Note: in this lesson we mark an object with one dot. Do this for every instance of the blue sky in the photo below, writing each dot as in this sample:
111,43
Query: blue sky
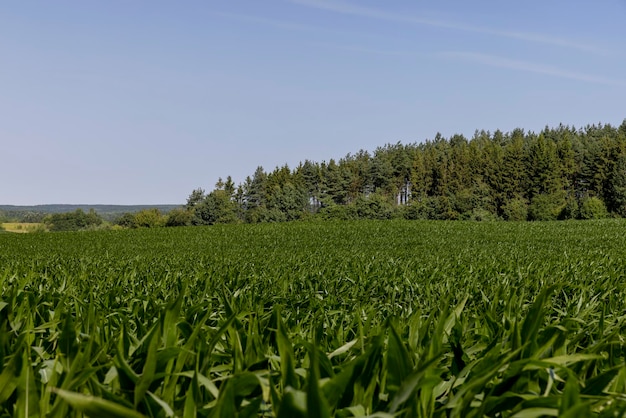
140,102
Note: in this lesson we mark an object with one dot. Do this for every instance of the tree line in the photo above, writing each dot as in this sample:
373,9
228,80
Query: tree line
558,173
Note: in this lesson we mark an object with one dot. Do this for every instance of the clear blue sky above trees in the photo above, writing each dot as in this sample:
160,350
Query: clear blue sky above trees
141,102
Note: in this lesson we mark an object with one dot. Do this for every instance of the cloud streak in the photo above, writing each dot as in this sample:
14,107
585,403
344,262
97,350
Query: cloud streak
271,22
358,49
529,67
354,10
285,25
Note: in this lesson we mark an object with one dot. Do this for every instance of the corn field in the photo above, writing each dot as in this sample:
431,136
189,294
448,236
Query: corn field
347,319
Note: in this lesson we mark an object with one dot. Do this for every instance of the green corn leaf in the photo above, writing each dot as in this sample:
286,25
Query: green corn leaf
454,316
373,360
317,406
285,350
122,365
340,385
293,404
225,406
534,320
236,349
466,393
275,396
149,368
187,350
342,389
190,409
568,359
244,384
167,410
252,409
221,331
9,377
537,413
171,317
579,410
343,349
399,362
597,384
326,366
27,394
412,383
96,407
83,376
203,381
68,345
571,395
435,342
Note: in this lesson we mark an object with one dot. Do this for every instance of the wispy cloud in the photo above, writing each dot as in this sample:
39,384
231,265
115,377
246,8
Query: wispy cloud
358,49
271,22
351,9
287,25
530,67
291,26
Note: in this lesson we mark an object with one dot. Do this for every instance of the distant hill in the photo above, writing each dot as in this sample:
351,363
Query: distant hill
108,212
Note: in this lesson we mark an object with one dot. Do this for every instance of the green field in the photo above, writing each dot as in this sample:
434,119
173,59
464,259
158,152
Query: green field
22,227
395,318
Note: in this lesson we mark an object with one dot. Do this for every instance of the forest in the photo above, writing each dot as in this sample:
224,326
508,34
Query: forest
558,173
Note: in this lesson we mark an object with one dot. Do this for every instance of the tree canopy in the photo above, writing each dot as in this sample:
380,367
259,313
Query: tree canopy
558,173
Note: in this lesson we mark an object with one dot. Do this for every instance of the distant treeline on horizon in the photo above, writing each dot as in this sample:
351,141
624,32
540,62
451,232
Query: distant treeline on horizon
36,213
558,173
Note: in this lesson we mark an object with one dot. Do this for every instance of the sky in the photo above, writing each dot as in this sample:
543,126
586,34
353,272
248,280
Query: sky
141,102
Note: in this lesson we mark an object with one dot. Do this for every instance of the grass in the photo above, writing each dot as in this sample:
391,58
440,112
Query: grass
415,319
